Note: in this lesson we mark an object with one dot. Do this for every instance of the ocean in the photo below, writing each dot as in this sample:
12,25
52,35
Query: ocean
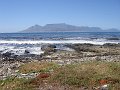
19,42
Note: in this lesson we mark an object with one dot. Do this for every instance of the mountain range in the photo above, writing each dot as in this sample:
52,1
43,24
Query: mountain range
62,27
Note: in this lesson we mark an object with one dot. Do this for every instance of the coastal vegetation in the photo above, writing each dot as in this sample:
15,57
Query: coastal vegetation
89,75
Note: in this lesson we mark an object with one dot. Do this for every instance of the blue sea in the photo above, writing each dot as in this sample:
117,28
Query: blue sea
19,42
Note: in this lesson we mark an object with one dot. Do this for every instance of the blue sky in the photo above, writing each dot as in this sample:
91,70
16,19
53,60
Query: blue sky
16,15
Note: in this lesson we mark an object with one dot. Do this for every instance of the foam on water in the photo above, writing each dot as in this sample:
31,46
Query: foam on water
17,43
20,50
100,42
13,46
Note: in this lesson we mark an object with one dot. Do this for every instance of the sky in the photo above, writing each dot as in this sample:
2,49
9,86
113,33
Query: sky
17,15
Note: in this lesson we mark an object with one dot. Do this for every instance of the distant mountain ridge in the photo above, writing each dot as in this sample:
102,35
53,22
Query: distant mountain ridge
62,27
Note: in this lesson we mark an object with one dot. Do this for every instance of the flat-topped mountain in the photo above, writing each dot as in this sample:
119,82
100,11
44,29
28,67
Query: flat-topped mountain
62,27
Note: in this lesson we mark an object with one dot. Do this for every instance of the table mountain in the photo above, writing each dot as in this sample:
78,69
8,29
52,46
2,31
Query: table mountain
62,27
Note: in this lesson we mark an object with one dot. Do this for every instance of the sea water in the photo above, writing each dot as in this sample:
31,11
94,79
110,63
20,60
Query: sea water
19,42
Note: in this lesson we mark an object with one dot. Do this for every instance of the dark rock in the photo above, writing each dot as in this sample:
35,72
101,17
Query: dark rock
27,52
44,47
113,39
48,48
7,54
81,47
88,44
111,44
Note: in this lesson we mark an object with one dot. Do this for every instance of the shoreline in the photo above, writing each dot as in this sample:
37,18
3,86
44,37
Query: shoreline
37,42
11,65
82,50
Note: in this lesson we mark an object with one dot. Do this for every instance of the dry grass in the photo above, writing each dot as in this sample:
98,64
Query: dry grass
74,76
89,74
37,67
13,83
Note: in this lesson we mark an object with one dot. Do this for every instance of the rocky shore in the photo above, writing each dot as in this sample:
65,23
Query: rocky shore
9,63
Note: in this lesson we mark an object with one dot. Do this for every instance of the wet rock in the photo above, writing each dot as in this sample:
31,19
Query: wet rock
82,47
7,54
111,44
48,48
44,47
26,52
113,38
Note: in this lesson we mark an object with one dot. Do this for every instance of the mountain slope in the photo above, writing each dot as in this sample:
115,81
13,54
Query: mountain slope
62,27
